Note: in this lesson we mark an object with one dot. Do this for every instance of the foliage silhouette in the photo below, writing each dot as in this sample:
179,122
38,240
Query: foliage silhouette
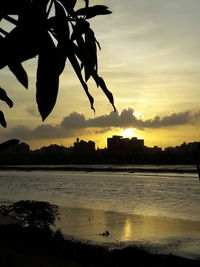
53,38
39,214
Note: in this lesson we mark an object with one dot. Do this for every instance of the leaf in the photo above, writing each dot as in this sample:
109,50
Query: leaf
19,45
12,7
39,5
61,23
69,5
5,98
47,77
80,28
98,44
90,53
2,119
51,23
100,82
24,41
86,3
73,60
61,57
90,12
20,73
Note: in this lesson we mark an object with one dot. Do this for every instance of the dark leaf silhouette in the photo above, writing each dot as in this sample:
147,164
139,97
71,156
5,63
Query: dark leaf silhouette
62,28
80,28
80,52
18,46
2,119
61,57
73,60
100,82
53,39
20,73
47,78
69,5
86,3
85,55
12,7
91,52
90,12
5,98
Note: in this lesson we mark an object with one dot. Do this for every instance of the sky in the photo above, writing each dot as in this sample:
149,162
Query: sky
150,60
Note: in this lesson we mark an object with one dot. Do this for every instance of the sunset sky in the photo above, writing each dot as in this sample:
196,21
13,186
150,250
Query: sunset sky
150,60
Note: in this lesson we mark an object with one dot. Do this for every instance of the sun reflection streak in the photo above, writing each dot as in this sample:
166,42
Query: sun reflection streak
127,231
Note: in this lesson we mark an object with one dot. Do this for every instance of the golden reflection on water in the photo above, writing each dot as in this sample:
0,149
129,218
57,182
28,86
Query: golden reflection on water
88,224
127,230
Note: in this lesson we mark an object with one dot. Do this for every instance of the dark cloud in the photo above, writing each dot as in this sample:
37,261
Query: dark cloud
127,119
76,124
41,132
74,121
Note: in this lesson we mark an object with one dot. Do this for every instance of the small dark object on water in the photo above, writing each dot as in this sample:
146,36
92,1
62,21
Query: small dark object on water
106,233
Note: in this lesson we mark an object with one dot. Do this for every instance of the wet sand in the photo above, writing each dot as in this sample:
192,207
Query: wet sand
156,234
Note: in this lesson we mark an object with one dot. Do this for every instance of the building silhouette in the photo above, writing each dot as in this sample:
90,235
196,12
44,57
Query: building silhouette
117,144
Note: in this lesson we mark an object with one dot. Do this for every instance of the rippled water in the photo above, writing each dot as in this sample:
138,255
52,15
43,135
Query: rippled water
173,195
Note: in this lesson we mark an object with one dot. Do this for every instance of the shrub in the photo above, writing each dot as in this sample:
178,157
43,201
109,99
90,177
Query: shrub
33,213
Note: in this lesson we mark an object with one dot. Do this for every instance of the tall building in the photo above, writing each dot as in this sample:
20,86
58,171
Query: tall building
136,145
118,144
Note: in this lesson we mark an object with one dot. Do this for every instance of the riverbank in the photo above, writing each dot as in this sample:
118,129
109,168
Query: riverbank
155,234
32,247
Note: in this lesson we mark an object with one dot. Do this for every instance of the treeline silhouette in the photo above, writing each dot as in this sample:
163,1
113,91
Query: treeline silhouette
99,157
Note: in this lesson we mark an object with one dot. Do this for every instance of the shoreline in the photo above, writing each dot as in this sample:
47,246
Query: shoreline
23,246
104,168
155,234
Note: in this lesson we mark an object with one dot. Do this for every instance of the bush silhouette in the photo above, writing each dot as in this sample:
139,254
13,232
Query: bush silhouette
39,214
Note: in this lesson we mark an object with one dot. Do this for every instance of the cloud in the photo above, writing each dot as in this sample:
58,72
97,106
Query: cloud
127,119
76,124
74,121
47,131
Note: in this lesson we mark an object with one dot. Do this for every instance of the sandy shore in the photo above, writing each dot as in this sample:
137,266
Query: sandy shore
157,234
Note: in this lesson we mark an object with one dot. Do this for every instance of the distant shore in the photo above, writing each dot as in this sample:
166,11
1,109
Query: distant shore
104,168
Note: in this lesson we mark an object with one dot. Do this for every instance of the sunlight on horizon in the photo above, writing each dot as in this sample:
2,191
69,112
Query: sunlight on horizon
128,133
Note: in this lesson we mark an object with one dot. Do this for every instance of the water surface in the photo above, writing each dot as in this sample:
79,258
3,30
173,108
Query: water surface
159,209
